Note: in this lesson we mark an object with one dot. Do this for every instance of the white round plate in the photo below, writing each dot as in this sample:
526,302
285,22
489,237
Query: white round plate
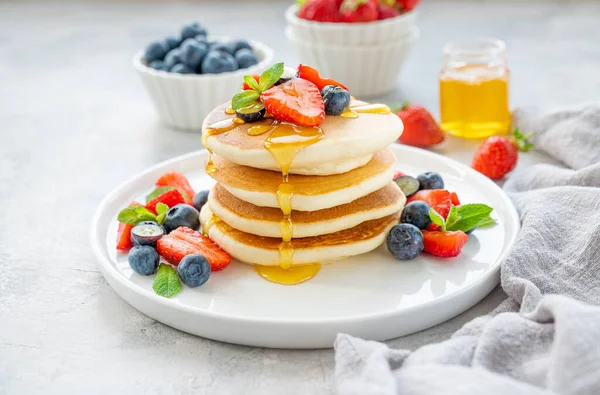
372,296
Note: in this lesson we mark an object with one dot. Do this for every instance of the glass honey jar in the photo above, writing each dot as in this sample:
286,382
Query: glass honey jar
474,89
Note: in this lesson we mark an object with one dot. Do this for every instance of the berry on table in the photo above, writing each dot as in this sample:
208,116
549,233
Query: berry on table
430,180
173,57
245,58
252,113
143,260
146,233
417,214
405,242
409,185
498,155
200,199
335,99
192,30
156,50
182,215
420,129
194,270
297,101
444,244
193,52
181,68
216,62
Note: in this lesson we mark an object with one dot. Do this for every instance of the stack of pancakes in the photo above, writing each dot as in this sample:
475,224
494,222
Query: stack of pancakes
290,196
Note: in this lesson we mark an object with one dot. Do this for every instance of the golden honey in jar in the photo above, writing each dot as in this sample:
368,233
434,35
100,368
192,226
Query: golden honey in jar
474,89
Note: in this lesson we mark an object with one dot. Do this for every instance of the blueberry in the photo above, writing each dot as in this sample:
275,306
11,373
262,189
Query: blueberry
252,113
216,62
241,44
146,233
143,260
156,50
200,199
223,47
181,215
181,68
173,57
193,270
192,30
192,53
430,180
158,65
172,42
409,185
201,38
245,58
405,242
336,99
416,213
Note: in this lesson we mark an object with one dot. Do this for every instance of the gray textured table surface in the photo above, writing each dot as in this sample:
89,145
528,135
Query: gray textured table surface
75,122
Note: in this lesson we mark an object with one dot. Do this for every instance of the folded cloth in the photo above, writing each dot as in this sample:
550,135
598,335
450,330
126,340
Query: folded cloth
545,338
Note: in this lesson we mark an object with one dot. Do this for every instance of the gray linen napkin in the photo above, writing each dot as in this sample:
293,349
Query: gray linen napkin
545,338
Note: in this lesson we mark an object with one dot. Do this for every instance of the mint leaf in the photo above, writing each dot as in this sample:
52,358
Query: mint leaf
161,208
437,219
452,216
248,79
270,77
470,216
157,192
166,283
244,99
489,221
133,215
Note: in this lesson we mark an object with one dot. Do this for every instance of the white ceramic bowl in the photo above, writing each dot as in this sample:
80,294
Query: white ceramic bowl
377,32
367,70
184,100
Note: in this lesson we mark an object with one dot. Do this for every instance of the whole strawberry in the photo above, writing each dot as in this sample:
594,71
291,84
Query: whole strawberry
321,10
420,129
385,11
407,5
498,155
353,11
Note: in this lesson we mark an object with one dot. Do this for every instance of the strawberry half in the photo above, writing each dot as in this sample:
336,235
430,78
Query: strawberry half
185,241
124,233
444,244
170,198
308,73
297,101
438,199
177,180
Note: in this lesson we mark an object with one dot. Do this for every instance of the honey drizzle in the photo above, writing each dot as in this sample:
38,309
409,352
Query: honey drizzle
294,275
211,221
353,111
214,129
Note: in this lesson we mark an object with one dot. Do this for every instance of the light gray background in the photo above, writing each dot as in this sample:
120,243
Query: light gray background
75,123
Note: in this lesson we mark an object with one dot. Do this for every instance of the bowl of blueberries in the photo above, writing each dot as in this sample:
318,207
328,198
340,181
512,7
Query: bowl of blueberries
188,75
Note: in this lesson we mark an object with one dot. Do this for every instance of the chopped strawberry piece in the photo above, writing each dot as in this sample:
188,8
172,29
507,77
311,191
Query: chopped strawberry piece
398,174
124,233
177,180
308,73
455,200
297,101
438,199
246,87
185,241
444,244
170,198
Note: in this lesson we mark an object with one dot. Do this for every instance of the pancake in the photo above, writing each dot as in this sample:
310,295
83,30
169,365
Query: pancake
339,144
310,193
266,221
260,250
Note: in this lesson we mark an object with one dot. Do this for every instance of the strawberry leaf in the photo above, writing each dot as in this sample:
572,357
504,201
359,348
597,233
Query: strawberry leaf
437,219
269,77
157,192
244,99
133,215
470,216
248,79
167,282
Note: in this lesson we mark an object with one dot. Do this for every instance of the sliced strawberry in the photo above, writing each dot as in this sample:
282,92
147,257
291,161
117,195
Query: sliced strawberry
185,241
444,244
246,87
308,73
177,180
455,200
438,199
297,101
124,233
170,198
398,174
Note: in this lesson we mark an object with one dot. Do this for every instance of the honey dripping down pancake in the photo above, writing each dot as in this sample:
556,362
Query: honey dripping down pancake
284,141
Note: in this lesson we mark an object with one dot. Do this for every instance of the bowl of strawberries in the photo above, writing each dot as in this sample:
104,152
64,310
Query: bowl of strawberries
362,42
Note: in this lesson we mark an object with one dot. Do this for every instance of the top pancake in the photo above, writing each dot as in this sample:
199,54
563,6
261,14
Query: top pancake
347,143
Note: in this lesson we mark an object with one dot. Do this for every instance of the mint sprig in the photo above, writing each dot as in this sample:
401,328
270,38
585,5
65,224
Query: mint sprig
157,192
166,283
161,211
266,81
133,215
464,217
